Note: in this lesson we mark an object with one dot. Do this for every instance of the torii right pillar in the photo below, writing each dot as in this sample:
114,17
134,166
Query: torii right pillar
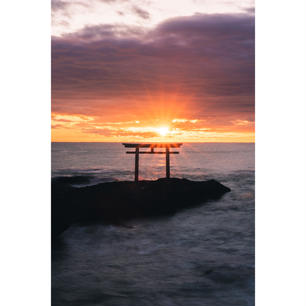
167,162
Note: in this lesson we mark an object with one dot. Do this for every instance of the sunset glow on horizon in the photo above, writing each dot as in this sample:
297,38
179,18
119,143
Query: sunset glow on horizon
134,71
80,128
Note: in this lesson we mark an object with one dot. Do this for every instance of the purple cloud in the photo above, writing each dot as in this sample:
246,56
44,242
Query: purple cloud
207,57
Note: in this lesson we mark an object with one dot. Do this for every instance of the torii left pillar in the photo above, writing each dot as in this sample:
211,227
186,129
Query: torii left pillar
136,164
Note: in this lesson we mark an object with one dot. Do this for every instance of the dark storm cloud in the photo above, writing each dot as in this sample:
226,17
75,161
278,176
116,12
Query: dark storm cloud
207,57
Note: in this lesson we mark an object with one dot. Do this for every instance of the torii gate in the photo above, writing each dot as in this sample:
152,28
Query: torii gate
152,146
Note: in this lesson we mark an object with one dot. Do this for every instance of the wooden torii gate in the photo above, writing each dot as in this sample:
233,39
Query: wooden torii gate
152,146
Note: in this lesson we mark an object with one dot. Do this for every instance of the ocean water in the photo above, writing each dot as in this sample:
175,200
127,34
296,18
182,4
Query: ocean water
200,256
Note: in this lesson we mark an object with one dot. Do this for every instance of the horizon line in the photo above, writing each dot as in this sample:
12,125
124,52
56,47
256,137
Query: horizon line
249,142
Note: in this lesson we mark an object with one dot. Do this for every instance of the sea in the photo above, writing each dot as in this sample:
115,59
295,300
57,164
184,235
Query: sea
202,256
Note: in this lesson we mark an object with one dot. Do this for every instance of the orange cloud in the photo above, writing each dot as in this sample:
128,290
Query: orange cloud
78,127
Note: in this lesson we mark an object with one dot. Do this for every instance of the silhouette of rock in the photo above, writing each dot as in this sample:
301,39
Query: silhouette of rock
115,202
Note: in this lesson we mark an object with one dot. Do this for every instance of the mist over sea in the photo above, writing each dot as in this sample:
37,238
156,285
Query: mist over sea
200,256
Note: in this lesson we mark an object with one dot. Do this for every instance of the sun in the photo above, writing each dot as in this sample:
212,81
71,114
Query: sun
163,130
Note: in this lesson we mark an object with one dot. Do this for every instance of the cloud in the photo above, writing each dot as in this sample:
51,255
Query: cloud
100,34
58,5
242,122
140,12
121,133
250,10
182,120
191,129
206,59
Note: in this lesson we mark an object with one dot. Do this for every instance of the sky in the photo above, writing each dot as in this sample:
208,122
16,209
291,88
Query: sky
153,70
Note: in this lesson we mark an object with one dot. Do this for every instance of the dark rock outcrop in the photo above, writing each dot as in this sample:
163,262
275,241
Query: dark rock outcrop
116,202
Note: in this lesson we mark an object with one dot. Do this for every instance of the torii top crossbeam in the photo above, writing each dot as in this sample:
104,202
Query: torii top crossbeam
152,146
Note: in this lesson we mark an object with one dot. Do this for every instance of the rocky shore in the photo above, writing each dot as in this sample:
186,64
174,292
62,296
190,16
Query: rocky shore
116,202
